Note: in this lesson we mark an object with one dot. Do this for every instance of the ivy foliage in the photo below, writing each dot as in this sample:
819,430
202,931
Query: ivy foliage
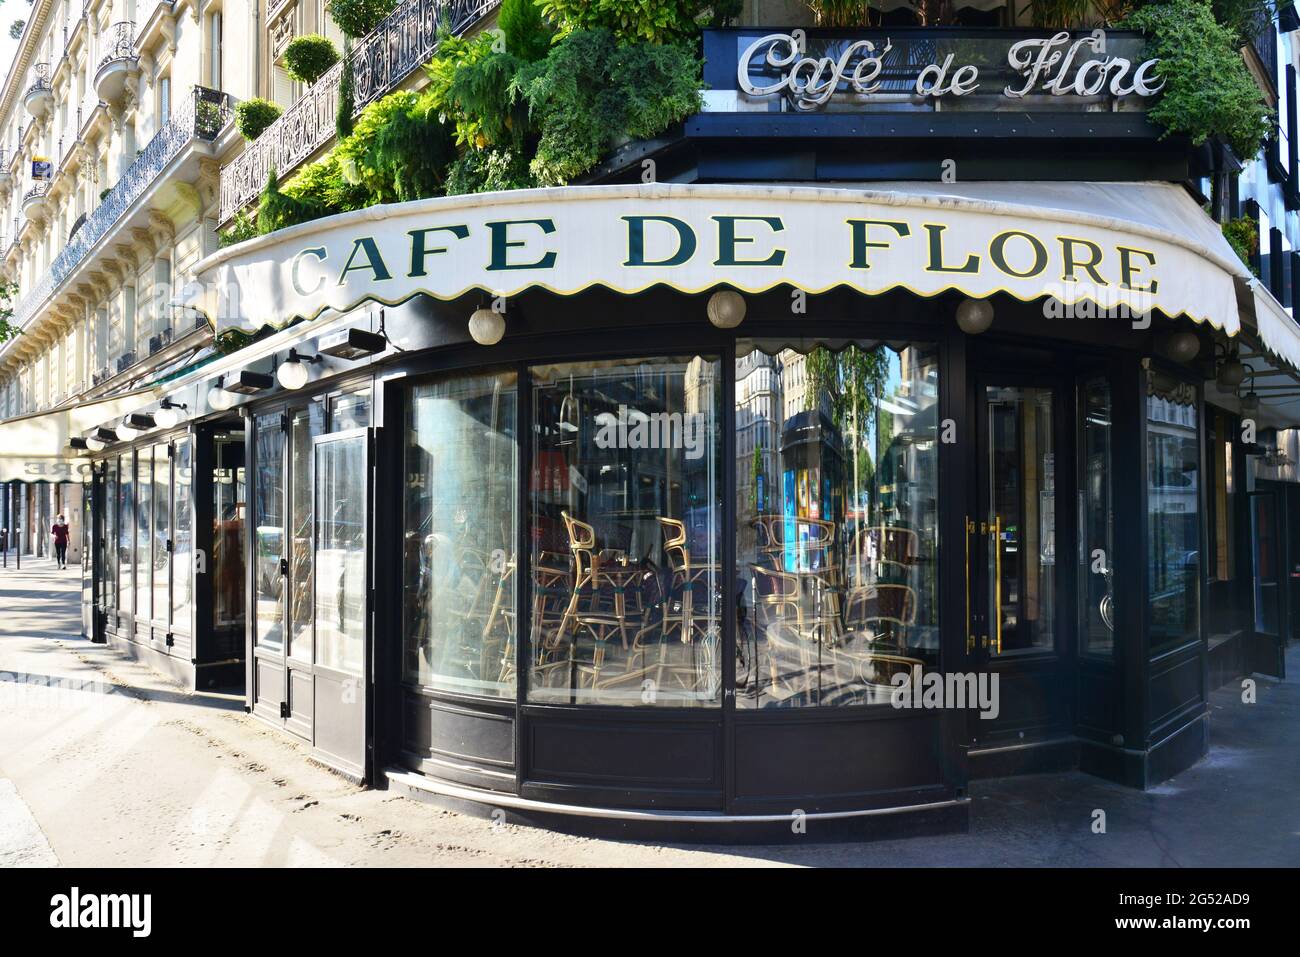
654,21
1208,89
8,296
1242,235
308,57
253,116
528,34
591,92
356,18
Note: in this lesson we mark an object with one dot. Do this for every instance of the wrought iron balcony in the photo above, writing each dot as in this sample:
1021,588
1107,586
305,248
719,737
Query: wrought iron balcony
202,117
39,96
34,199
403,42
118,60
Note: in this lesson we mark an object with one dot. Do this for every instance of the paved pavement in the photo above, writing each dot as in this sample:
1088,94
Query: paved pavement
124,768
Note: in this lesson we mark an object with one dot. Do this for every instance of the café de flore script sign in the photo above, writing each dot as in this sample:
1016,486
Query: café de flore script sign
1061,65
694,238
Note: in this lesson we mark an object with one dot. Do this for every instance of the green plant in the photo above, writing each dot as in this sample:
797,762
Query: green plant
8,295
528,34
399,150
1208,89
228,341
252,117
1058,13
16,29
840,13
657,21
278,209
488,170
347,93
356,18
242,227
307,58
103,193
1242,235
590,92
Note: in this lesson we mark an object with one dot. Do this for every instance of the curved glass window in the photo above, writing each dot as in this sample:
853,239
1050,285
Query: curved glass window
1173,509
183,536
458,552
837,520
625,512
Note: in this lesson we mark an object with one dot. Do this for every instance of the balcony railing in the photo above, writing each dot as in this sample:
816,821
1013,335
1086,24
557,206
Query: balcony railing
36,191
121,42
203,117
40,79
403,42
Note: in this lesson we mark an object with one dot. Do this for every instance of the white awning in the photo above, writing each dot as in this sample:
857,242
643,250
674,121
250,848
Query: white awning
34,448
1127,247
1277,330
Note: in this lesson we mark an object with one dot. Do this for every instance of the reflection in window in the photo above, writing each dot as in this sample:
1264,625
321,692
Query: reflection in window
183,536
144,539
109,544
458,551
350,411
1174,559
340,565
228,513
625,512
837,521
161,532
304,425
1096,522
268,531
126,533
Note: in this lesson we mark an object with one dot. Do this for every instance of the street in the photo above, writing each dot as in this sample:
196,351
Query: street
117,767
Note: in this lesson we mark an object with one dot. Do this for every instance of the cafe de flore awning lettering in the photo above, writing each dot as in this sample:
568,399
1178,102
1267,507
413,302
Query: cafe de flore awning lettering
696,238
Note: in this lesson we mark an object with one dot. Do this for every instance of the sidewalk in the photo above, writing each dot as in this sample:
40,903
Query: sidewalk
131,770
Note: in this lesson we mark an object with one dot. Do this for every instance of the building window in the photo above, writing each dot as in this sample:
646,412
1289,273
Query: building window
1096,521
126,533
1173,475
625,513
458,556
837,526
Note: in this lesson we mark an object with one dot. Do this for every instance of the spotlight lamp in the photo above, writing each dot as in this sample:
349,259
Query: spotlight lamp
78,443
141,421
105,435
247,382
974,316
726,309
352,344
293,372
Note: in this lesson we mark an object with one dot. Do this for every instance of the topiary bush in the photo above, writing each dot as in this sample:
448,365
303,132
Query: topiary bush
252,117
1208,89
307,58
356,18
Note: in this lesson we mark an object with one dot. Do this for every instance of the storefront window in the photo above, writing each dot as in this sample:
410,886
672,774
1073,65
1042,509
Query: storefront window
143,537
305,425
340,572
109,546
229,500
183,537
161,532
268,532
837,520
461,479
1096,522
126,533
1174,558
350,411
625,522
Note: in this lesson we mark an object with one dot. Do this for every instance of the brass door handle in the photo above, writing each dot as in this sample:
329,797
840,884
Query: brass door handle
970,635
997,588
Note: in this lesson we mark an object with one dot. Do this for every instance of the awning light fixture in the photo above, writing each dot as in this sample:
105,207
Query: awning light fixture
726,309
247,382
141,421
352,344
94,443
77,442
487,326
974,316
106,435
218,398
1180,346
168,415
293,372
1231,372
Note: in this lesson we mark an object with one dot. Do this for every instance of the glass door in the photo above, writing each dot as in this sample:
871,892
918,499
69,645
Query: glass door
1013,541
1267,559
341,591
270,568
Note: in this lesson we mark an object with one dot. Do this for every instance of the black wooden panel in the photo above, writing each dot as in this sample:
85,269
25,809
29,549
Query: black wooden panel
1175,688
457,733
1099,699
600,752
803,760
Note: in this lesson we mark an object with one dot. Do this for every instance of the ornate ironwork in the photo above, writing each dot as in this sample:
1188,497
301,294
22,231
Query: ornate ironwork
121,42
202,116
40,79
37,191
403,42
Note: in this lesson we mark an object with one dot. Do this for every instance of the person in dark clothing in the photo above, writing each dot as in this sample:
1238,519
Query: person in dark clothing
59,531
